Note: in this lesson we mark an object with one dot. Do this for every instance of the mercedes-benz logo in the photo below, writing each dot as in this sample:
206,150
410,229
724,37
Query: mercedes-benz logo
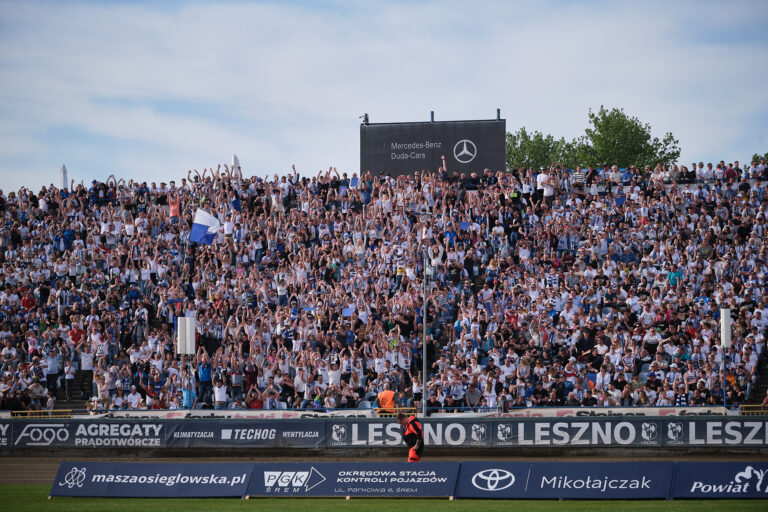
464,151
493,479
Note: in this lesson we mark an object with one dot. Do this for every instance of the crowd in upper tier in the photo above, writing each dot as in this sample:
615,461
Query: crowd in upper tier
548,287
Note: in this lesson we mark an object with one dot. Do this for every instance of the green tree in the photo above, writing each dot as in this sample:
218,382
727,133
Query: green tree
536,149
757,156
615,138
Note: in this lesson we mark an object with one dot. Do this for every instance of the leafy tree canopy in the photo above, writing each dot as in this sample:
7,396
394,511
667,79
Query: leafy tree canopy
612,137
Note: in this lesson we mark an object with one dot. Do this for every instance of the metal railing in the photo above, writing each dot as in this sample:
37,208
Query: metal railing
394,411
753,410
55,413
375,411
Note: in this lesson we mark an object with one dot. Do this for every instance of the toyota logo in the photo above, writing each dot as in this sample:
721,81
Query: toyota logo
493,479
464,151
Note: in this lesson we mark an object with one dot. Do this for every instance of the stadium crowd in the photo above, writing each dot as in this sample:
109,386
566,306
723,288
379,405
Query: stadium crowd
544,287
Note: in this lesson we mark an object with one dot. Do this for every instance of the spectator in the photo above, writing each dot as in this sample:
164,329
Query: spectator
134,398
313,283
50,403
220,395
69,379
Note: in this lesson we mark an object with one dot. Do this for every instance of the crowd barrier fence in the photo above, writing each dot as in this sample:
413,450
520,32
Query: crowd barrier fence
475,412
355,433
460,480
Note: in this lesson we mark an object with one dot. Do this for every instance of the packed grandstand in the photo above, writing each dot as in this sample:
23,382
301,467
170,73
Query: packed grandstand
553,287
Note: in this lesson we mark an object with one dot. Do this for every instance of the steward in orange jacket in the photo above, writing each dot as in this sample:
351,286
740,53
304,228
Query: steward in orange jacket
413,435
386,400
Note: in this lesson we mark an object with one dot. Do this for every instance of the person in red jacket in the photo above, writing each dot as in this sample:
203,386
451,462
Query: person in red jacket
413,435
28,302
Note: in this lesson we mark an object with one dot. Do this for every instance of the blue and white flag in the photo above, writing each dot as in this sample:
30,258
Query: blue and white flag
205,227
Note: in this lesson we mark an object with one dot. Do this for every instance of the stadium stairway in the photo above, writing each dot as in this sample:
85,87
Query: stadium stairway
74,405
759,393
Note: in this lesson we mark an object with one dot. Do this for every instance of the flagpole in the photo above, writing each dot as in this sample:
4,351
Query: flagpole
184,253
184,259
424,332
190,358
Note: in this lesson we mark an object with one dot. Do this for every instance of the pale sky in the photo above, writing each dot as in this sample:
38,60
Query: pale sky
147,92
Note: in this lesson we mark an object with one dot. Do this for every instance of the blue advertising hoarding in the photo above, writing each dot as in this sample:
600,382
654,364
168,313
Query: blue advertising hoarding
492,480
729,480
466,480
728,431
67,433
364,479
625,431
6,434
342,433
247,434
331,433
156,480
564,480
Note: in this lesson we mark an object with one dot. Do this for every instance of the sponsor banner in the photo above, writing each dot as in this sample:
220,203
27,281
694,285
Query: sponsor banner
398,148
469,480
344,434
237,414
271,434
564,480
88,434
724,431
531,412
491,480
6,437
155,480
570,432
464,415
649,432
716,432
729,480
589,412
610,431
384,479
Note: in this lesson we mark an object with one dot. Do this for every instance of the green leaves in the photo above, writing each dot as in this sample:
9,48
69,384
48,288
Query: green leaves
615,138
535,149
612,137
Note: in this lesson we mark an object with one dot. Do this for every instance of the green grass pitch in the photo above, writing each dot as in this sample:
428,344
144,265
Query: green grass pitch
21,498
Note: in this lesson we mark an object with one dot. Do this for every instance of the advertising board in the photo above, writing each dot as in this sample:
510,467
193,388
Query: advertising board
400,148
157,480
722,480
382,479
564,480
